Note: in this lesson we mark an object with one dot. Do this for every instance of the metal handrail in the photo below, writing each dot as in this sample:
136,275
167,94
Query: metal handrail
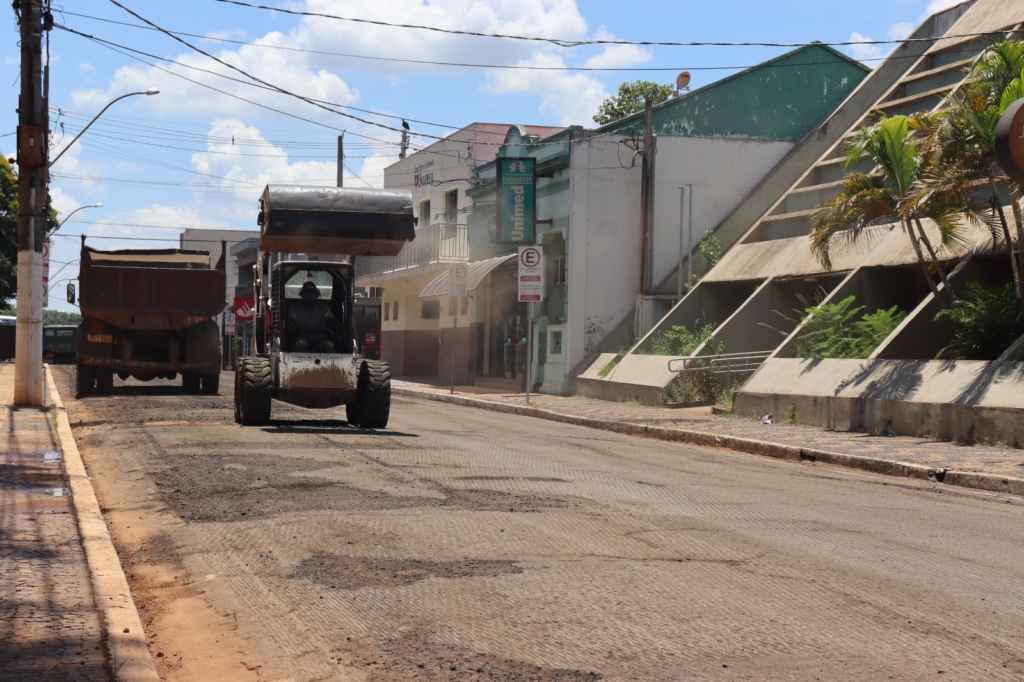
723,363
435,243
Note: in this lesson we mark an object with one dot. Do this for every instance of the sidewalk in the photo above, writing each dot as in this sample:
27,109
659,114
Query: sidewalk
976,466
50,628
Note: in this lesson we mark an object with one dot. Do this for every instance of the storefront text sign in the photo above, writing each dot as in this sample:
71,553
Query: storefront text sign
516,201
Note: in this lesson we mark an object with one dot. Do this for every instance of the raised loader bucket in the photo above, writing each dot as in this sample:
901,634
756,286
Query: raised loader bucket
343,220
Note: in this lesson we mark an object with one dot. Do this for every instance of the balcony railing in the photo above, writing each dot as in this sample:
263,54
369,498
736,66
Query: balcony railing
437,243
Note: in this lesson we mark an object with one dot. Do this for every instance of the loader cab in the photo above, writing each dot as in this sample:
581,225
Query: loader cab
333,280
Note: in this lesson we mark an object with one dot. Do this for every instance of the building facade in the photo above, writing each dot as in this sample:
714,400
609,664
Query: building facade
717,144
416,334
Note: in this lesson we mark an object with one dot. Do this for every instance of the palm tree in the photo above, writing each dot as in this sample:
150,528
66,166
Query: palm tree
885,195
960,141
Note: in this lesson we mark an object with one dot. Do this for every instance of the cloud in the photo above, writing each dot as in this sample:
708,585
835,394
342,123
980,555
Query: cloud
574,97
900,31
86,67
938,6
289,70
865,52
316,75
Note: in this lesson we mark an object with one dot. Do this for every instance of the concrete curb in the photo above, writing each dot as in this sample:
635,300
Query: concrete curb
126,639
963,479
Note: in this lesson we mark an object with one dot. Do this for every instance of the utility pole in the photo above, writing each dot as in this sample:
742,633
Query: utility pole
341,160
33,122
646,209
405,144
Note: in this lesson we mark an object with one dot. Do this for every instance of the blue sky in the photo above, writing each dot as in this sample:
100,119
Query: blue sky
195,157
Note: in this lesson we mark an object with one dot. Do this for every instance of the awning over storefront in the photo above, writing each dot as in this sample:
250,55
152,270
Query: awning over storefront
477,271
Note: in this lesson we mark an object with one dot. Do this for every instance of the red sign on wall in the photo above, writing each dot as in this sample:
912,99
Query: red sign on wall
243,307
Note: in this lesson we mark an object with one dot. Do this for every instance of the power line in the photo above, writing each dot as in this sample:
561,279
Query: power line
521,67
266,85
565,42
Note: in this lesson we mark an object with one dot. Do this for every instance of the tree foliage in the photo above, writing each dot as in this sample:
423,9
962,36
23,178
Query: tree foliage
9,230
985,323
840,330
630,99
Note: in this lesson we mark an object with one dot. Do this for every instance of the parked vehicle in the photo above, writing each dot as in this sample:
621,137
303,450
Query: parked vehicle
368,326
328,369
150,314
8,337
59,343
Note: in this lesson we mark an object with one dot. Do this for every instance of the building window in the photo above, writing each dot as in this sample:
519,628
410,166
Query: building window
560,270
451,206
387,311
464,306
556,343
424,213
395,315
430,310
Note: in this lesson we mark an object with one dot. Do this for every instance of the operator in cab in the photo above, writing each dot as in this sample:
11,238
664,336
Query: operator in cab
309,322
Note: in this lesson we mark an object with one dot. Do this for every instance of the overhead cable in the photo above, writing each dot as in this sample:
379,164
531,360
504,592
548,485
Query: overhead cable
566,42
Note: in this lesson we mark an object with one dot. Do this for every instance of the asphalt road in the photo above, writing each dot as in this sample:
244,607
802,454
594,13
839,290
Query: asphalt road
462,544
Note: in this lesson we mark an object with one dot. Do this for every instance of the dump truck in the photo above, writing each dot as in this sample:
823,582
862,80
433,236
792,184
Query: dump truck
309,240
148,314
59,344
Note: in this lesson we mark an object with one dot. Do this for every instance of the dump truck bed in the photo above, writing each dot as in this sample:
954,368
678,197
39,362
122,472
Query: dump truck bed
150,289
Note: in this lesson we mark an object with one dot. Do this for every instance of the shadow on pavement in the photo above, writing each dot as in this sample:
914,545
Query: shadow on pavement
335,426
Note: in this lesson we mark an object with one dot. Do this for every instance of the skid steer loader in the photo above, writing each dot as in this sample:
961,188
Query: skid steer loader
298,226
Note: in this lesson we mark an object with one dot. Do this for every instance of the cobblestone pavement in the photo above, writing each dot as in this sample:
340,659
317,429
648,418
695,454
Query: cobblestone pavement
463,545
990,459
49,627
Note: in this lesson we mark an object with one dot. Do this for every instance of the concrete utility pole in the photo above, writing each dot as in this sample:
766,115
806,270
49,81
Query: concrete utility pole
33,122
646,208
405,145
341,160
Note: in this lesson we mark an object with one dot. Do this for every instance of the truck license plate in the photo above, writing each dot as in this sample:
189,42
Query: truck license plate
101,338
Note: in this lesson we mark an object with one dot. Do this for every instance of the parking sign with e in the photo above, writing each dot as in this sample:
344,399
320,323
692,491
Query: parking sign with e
531,274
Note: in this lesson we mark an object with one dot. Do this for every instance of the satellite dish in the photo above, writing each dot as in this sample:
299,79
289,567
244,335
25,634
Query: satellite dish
683,80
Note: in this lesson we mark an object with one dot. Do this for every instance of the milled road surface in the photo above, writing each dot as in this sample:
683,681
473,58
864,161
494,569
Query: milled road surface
461,544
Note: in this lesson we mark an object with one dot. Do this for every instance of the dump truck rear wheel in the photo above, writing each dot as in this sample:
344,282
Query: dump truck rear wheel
190,382
373,396
257,383
85,379
211,383
104,381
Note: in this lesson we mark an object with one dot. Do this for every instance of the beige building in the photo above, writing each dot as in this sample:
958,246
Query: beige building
416,332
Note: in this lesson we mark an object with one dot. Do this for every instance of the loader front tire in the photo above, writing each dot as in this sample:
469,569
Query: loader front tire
372,407
256,384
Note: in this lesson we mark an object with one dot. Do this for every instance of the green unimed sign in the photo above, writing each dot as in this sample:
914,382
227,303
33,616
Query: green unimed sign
516,201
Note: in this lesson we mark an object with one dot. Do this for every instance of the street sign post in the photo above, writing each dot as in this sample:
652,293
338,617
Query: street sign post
458,276
531,290
516,203
229,324
531,274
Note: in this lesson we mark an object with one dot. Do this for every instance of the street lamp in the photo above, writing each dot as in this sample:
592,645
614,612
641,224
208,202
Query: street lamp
100,205
151,91
28,360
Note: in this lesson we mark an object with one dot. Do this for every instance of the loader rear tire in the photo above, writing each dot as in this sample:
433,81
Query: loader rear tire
372,407
257,384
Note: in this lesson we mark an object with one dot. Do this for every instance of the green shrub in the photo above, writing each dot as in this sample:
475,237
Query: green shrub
985,322
833,330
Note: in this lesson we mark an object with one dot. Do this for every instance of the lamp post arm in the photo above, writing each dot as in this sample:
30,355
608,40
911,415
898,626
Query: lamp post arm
82,131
